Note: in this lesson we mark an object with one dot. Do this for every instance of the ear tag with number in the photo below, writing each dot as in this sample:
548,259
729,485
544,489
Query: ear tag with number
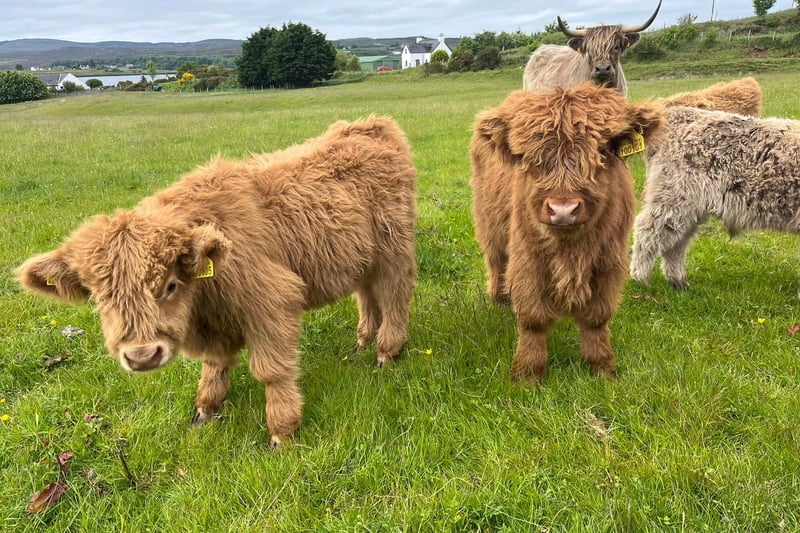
50,283
209,270
633,144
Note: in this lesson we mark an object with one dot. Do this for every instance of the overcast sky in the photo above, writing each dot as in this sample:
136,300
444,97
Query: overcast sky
195,20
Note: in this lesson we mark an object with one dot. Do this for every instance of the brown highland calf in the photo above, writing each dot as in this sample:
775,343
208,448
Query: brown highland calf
553,208
284,232
741,96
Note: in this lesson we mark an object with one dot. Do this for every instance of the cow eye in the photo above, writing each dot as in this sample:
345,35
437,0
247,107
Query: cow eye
169,289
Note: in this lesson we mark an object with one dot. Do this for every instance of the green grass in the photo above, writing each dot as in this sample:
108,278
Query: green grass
699,432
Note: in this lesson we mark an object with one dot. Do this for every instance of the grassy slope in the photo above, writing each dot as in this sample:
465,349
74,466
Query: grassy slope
698,433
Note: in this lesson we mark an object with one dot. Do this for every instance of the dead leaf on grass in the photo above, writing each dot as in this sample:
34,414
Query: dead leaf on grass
45,498
644,297
792,330
50,362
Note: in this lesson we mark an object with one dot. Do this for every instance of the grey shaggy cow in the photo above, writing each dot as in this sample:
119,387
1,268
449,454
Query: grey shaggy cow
741,169
592,54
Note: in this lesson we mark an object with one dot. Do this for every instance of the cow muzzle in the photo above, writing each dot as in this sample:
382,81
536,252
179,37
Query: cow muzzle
562,211
603,74
144,357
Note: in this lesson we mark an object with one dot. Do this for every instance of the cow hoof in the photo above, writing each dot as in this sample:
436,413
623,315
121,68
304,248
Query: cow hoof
275,443
201,418
679,284
609,373
381,363
529,380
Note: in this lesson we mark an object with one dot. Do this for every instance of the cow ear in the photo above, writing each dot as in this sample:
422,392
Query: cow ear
493,129
204,243
647,118
49,274
631,39
576,43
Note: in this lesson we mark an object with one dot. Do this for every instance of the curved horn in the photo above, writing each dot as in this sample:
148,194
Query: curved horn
568,32
642,27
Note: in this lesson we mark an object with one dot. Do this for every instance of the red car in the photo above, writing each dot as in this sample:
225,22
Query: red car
383,68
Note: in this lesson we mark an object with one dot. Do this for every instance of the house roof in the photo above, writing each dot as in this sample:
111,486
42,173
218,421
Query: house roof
427,46
371,59
50,79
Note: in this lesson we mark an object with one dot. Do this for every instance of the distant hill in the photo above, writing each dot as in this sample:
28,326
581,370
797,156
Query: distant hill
223,52
51,52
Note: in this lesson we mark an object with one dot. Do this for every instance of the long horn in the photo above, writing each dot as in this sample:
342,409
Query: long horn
642,27
568,32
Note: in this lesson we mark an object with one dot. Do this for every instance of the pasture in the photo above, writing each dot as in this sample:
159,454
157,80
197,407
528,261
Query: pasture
698,433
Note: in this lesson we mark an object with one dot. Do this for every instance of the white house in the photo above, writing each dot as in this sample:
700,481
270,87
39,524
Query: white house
57,80
419,53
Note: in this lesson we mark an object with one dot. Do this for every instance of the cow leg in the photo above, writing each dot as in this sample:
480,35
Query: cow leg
673,264
646,246
369,317
393,287
596,349
530,357
278,371
212,389
496,265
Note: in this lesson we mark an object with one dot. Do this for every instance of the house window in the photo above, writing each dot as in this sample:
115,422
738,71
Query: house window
417,62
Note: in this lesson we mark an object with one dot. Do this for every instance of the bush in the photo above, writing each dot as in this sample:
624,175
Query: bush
712,36
461,62
433,67
648,49
487,59
18,86
94,83
676,37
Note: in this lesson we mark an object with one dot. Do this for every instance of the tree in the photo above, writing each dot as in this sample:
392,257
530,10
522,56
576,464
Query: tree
152,69
19,66
187,66
94,83
440,56
293,56
762,6
18,86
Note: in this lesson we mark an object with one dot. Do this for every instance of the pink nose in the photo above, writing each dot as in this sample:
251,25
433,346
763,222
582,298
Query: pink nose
141,358
563,213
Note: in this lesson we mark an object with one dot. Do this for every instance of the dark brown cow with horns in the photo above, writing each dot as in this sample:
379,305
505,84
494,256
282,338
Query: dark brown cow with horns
591,54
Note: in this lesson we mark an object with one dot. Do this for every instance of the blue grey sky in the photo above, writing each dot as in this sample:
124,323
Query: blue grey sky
194,20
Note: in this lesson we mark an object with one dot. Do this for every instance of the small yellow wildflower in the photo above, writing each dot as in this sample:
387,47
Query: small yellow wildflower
762,320
5,418
44,317
428,351
2,400
53,322
345,358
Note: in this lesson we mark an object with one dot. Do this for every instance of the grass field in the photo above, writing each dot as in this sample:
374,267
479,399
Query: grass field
698,433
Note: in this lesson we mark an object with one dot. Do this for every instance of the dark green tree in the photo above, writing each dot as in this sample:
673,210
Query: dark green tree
94,83
18,86
762,6
487,59
293,56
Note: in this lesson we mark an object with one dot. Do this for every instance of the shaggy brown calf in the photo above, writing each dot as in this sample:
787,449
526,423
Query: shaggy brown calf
553,208
233,253
738,96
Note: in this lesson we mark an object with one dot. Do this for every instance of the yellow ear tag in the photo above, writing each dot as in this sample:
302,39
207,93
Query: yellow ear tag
209,271
633,144
50,283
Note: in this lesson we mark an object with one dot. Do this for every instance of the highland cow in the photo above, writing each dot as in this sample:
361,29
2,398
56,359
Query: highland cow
553,207
591,54
743,170
741,96
234,252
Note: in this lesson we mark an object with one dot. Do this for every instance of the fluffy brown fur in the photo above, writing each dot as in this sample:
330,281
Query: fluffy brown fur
286,231
743,170
553,207
741,96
